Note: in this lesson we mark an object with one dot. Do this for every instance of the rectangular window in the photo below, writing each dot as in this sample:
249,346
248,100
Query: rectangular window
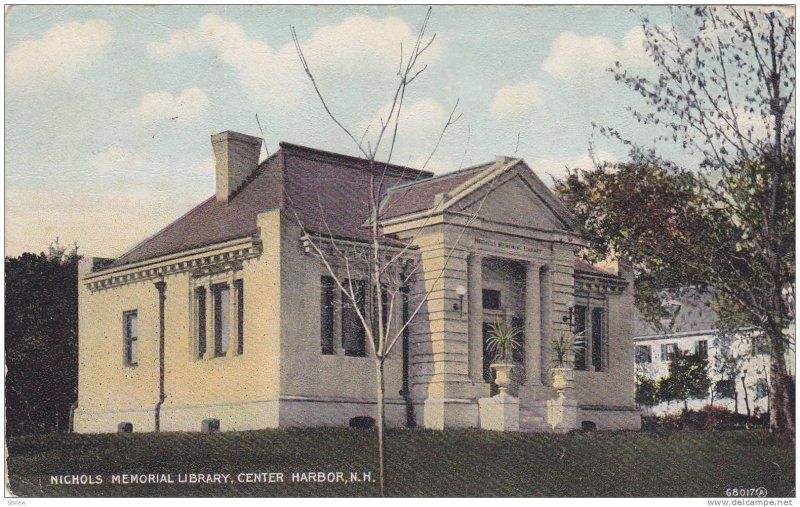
701,348
597,338
240,316
221,319
759,345
491,299
726,388
580,328
131,337
643,354
326,307
762,388
353,334
668,351
201,322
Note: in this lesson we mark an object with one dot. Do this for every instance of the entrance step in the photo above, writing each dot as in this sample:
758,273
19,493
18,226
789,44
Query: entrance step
530,422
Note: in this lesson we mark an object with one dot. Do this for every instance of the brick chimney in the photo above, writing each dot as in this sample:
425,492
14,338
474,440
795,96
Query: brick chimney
236,157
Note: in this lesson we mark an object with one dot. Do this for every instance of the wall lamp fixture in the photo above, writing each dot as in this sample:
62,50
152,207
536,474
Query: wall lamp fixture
569,319
461,291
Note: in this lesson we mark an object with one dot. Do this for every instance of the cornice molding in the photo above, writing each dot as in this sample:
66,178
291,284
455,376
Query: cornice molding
223,257
599,284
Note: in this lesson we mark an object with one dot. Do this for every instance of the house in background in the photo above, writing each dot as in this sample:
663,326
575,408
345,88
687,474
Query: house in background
226,320
690,324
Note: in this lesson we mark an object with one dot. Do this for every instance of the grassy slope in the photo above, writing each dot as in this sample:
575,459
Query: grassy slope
420,463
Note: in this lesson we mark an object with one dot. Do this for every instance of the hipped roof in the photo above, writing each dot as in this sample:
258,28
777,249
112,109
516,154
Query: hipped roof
329,192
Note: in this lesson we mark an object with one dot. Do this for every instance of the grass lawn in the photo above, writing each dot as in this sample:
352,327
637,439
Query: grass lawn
419,463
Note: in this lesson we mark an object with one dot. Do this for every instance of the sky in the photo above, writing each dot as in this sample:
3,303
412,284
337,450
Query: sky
109,109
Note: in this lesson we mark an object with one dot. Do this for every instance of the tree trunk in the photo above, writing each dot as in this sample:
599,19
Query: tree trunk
381,455
781,394
746,399
781,389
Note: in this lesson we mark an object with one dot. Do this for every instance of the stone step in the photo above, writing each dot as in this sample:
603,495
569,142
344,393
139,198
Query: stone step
530,422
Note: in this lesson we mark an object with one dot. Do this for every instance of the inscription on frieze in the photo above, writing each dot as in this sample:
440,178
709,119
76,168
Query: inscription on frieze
505,245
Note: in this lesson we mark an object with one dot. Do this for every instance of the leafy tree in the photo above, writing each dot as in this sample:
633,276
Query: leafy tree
41,340
646,391
687,378
724,93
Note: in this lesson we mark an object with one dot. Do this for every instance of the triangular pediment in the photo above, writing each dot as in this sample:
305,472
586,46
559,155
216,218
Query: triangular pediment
514,203
518,198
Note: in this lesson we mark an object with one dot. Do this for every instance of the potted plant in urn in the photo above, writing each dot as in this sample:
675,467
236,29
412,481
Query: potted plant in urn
565,344
503,340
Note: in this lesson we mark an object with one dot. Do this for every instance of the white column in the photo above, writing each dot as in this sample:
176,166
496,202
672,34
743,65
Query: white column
546,321
533,326
475,305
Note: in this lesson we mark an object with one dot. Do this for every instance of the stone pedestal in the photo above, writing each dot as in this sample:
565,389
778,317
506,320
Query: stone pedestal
499,413
562,414
440,414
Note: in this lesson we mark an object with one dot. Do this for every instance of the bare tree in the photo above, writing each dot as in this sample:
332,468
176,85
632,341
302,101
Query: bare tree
390,266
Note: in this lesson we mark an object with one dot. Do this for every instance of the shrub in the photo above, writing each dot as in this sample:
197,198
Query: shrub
708,418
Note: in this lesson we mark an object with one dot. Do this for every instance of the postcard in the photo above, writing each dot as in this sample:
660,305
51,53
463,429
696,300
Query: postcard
539,251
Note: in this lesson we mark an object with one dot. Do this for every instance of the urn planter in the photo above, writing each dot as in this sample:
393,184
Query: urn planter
502,376
563,379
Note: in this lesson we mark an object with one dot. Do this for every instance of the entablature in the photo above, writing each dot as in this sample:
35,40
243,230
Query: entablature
199,262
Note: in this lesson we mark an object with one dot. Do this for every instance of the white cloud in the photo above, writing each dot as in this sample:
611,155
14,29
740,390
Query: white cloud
355,48
549,168
188,105
572,55
59,55
517,100
424,115
181,41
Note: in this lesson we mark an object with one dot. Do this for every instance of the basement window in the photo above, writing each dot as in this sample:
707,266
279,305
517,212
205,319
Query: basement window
210,426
